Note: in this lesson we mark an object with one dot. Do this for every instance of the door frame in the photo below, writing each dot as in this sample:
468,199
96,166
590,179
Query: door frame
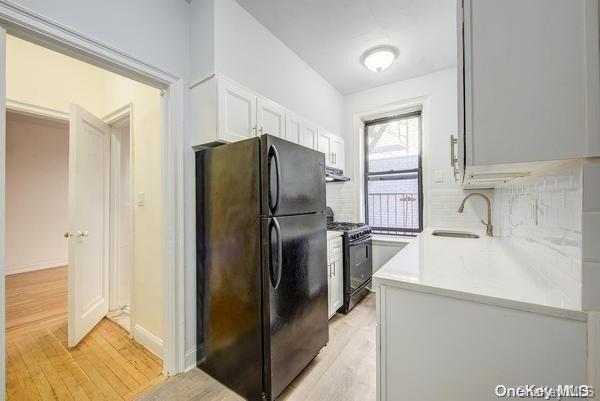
114,120
21,22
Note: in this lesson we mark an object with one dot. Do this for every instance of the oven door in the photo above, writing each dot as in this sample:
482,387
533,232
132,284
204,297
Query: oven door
360,265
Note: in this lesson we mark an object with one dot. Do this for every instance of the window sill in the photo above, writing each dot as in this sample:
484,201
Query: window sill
395,240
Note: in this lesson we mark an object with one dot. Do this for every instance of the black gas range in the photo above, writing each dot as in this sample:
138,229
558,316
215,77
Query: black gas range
358,259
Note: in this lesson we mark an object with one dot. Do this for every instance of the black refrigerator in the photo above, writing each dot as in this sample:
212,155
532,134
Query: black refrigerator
261,263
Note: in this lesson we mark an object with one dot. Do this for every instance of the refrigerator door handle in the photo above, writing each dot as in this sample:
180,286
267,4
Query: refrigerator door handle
276,278
274,204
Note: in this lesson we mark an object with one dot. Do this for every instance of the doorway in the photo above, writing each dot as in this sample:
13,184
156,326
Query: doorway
44,31
102,165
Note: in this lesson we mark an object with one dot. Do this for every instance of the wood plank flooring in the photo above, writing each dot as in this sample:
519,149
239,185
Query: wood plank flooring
343,371
106,365
35,296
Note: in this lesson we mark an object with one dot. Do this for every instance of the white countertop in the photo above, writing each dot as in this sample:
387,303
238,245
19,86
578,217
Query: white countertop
332,234
481,270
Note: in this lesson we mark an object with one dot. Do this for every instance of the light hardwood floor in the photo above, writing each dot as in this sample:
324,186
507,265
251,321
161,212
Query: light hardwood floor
343,371
106,365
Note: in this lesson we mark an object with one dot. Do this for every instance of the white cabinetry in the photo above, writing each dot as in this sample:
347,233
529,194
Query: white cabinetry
529,93
293,130
300,131
338,152
223,111
425,338
308,136
335,274
270,118
333,147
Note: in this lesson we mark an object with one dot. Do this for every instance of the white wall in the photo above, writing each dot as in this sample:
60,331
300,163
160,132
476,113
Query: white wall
437,93
37,168
155,31
247,52
147,178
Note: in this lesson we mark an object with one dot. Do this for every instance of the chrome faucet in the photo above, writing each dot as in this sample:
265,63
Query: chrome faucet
489,228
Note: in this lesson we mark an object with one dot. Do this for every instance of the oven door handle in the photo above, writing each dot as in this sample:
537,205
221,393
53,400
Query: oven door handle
360,242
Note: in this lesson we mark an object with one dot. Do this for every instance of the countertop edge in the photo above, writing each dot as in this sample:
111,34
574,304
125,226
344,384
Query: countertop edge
580,316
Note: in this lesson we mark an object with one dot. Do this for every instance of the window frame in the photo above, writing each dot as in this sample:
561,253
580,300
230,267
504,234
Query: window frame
418,171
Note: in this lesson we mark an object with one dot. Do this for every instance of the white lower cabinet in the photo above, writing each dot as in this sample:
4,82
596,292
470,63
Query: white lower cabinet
335,274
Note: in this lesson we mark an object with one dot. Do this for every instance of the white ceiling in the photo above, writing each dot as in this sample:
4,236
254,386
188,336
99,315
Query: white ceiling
331,36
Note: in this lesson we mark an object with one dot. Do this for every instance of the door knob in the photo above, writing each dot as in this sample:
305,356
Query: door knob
67,234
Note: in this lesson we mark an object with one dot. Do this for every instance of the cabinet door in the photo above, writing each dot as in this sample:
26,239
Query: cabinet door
324,145
270,118
294,127
330,287
337,275
338,152
237,112
308,136
531,91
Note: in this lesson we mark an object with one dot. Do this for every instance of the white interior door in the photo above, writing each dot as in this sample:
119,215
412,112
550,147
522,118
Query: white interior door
89,181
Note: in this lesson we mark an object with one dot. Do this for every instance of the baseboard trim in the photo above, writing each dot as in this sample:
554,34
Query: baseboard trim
190,359
33,266
148,340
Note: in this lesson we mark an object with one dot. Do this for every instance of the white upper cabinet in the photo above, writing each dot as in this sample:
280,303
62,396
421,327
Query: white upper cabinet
223,111
338,152
308,136
325,145
293,131
237,112
270,118
333,147
530,76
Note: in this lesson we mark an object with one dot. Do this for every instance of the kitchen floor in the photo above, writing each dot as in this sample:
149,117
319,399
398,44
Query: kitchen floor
343,371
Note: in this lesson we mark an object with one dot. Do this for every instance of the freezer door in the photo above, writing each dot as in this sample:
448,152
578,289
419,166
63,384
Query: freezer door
229,266
293,178
295,288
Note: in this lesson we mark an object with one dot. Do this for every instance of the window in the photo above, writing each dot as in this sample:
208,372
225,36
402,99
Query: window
393,176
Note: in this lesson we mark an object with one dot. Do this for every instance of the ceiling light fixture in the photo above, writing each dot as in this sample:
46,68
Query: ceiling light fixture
379,58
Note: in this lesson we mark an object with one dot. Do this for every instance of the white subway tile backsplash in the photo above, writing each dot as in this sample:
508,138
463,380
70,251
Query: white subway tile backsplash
541,219
441,207
341,197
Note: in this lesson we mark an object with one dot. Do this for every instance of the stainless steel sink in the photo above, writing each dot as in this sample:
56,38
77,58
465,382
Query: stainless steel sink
454,234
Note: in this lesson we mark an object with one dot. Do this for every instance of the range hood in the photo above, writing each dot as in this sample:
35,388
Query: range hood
335,175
